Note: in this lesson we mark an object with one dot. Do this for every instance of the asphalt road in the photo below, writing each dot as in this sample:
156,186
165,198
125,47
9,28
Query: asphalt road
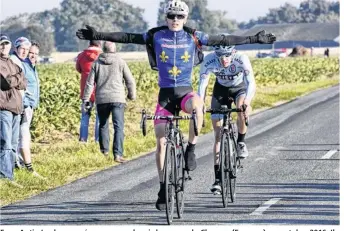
291,177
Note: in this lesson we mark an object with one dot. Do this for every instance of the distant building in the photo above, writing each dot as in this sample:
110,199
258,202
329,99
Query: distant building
290,35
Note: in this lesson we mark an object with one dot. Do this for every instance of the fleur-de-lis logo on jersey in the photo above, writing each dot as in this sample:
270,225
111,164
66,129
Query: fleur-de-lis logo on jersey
163,57
174,71
186,57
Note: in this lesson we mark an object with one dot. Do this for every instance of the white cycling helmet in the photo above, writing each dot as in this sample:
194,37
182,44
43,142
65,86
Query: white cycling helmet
223,50
176,7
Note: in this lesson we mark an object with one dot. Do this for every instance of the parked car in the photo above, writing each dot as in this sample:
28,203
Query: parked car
46,60
279,53
263,55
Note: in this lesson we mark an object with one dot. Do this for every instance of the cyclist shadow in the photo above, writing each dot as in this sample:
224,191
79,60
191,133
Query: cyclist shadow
318,199
84,212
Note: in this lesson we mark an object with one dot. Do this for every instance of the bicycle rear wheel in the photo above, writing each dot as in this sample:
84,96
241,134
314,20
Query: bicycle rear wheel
169,175
232,167
180,184
224,168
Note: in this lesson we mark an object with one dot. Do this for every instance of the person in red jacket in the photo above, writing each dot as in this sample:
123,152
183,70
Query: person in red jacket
84,63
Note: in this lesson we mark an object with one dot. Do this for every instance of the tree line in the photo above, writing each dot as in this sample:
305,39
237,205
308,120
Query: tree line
55,29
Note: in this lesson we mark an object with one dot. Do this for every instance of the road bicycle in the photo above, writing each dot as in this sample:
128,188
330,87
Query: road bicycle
228,160
175,174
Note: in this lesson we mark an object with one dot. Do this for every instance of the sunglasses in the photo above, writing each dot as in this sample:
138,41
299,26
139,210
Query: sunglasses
173,16
224,55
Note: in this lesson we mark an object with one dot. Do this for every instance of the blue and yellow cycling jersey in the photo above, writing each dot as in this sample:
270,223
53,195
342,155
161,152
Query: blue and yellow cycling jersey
175,51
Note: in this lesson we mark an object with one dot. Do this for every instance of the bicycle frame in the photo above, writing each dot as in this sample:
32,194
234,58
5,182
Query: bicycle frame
228,160
175,156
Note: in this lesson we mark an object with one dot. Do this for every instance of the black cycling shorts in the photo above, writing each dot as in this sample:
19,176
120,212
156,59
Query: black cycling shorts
221,94
171,98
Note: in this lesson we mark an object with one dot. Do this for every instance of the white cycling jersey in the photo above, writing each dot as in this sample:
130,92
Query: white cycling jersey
240,70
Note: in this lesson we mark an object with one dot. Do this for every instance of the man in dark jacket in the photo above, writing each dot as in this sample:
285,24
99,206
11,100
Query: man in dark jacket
11,106
83,65
108,73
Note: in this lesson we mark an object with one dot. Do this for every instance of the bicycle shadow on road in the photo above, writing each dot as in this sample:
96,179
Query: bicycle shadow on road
299,203
84,212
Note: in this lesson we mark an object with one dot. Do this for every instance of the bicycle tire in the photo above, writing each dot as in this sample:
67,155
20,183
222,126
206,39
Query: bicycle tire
180,180
169,178
224,168
233,153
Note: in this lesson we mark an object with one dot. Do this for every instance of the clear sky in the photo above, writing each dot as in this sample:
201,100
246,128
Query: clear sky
242,10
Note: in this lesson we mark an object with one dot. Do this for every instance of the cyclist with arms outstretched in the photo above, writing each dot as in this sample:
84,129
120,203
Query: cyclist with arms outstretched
173,50
234,79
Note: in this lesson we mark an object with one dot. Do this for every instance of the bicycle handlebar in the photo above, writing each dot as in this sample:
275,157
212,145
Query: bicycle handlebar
154,117
168,118
225,110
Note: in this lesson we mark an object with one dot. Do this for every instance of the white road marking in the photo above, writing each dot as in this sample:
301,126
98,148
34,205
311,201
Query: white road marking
260,158
329,154
280,148
265,206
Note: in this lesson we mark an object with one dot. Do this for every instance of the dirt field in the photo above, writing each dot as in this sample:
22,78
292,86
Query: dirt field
62,57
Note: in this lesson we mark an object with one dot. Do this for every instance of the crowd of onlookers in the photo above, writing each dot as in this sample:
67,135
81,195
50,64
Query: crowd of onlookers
19,97
104,76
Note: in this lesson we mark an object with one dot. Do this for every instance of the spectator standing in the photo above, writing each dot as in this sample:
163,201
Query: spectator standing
312,51
327,53
83,66
11,104
31,101
108,73
21,50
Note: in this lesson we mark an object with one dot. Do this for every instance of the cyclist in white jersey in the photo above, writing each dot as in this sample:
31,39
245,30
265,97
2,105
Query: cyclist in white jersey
234,79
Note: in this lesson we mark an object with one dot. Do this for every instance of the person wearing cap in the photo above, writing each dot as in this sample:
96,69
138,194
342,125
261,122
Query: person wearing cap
22,47
18,56
11,104
21,50
173,50
83,65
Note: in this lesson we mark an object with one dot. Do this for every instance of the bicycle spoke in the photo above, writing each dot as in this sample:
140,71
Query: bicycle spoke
180,177
233,167
224,168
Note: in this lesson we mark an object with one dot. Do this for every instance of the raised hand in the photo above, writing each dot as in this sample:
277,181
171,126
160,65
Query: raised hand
264,38
87,34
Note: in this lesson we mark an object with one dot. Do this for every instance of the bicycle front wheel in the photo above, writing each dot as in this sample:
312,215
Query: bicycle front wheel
224,168
232,167
180,184
169,177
